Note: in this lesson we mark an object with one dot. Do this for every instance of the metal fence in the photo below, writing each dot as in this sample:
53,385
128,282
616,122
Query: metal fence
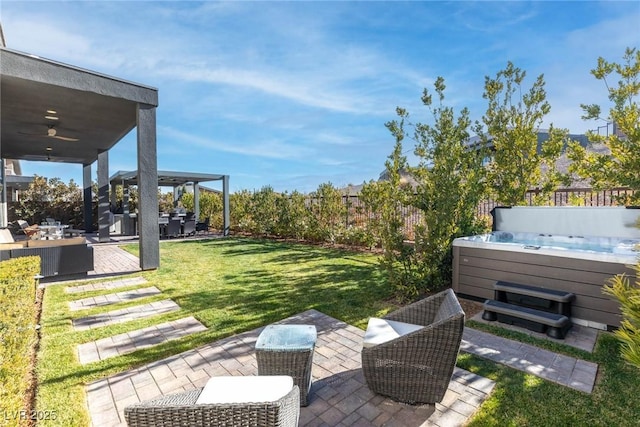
357,213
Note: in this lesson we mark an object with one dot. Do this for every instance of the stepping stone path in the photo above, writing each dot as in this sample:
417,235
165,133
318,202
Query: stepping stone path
125,315
568,371
129,342
102,300
102,286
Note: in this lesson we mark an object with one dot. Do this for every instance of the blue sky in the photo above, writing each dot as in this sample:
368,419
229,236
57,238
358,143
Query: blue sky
295,94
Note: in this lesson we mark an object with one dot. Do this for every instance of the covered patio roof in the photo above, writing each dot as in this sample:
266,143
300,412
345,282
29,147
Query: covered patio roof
89,112
165,178
176,179
50,111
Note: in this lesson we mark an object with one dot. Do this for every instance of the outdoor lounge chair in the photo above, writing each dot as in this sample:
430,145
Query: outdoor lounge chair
409,355
260,401
31,231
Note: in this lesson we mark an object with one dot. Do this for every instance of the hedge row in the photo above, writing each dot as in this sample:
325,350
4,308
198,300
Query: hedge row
18,336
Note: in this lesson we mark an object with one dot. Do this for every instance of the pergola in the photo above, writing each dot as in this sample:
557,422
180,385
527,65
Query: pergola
56,112
173,179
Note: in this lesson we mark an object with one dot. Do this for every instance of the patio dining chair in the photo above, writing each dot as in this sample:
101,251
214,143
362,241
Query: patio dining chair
202,226
189,227
173,227
256,401
410,354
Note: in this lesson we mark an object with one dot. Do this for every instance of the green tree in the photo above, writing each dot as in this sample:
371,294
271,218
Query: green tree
263,211
328,213
293,216
519,161
385,200
240,206
51,198
211,207
165,201
451,184
621,166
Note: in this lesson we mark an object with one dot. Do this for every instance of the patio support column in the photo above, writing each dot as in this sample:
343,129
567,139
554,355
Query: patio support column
103,197
87,198
225,205
3,209
112,195
196,200
125,200
148,188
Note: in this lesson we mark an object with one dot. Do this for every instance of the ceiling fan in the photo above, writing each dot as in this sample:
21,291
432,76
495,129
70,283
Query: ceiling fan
52,133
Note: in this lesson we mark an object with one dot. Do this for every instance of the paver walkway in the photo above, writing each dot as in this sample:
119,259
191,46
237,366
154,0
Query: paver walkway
107,285
109,260
129,342
102,300
339,395
125,314
580,337
568,371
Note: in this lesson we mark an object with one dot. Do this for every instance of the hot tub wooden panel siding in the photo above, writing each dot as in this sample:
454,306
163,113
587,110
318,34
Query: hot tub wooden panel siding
475,270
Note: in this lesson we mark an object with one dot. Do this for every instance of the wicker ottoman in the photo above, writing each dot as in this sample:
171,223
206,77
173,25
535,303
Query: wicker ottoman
225,401
288,350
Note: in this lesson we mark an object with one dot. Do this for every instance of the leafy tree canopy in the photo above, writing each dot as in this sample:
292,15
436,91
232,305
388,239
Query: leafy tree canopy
621,166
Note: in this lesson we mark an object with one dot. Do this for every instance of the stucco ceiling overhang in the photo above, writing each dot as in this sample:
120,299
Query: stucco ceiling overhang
95,109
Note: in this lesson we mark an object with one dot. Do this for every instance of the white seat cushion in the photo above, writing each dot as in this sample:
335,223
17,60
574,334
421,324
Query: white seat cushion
230,389
383,330
5,236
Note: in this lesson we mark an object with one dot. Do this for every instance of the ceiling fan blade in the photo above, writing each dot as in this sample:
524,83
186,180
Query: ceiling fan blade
65,138
31,134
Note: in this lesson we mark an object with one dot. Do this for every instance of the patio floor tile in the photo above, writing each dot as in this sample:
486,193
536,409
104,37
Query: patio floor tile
566,370
107,285
92,302
125,315
339,395
118,345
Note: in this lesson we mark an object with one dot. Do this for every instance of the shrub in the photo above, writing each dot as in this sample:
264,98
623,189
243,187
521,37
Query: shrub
264,211
629,297
328,214
18,335
240,211
293,216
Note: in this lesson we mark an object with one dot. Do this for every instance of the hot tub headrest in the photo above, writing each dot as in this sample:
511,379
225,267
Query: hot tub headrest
568,220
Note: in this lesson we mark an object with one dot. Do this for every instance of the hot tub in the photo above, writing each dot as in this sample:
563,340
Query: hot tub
608,249
576,263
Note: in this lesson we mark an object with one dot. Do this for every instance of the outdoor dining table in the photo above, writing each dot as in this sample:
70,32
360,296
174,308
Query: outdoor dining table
52,231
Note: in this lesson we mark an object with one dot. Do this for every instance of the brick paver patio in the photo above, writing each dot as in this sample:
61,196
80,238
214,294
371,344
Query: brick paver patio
110,260
339,395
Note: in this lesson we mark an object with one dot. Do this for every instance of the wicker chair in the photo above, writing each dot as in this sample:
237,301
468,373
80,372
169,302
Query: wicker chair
181,410
416,367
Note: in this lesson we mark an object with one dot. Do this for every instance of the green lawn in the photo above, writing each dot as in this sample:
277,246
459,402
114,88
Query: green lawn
230,285
235,285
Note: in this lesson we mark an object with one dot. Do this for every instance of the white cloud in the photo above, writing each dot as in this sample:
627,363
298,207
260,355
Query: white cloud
272,149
